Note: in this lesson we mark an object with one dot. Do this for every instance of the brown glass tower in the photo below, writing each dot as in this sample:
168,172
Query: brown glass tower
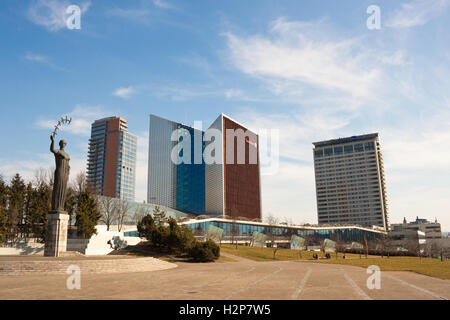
112,159
233,187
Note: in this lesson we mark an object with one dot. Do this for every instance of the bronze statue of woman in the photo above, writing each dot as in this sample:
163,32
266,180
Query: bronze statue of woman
61,175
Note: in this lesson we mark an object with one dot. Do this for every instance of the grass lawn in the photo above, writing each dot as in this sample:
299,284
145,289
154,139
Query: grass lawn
427,266
226,259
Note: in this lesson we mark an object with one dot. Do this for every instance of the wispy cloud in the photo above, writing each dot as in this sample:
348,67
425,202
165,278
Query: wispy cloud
174,92
140,14
292,54
125,92
232,93
82,118
44,60
51,14
181,93
416,13
35,57
162,4
197,61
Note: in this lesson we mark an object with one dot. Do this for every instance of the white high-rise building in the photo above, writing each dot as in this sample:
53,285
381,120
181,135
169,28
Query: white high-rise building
350,182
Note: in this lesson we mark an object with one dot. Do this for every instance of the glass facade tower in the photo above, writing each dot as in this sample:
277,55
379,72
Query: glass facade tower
178,186
191,179
223,188
111,169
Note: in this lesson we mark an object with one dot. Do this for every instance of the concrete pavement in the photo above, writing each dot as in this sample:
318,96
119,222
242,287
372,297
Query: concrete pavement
244,279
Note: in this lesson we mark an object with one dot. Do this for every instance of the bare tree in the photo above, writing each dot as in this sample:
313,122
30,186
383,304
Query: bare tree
308,241
108,208
415,248
140,213
339,246
41,176
80,182
384,243
122,210
323,245
272,221
433,249
288,221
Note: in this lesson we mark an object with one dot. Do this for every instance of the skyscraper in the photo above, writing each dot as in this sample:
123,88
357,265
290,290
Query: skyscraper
111,169
178,186
229,186
233,186
350,182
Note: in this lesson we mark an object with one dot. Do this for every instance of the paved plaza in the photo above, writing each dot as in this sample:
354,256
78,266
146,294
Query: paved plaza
148,278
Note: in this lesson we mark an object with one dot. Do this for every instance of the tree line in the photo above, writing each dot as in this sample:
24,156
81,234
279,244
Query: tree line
24,206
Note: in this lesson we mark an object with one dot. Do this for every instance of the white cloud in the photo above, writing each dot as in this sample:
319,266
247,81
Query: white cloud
125,92
419,147
162,4
199,62
233,93
51,14
398,58
416,13
131,14
296,52
179,92
82,118
36,58
44,60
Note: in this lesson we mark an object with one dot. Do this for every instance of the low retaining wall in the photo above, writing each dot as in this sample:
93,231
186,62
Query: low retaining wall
101,243
49,266
23,249
98,244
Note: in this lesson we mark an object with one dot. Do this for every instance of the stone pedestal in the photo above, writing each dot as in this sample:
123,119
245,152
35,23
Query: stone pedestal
56,236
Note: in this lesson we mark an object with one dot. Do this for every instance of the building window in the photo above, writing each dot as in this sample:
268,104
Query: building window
348,149
318,153
369,146
359,147
338,150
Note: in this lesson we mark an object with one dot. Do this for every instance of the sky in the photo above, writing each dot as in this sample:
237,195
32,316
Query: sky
311,69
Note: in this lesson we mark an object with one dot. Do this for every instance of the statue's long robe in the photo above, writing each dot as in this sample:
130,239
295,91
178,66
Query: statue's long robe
61,178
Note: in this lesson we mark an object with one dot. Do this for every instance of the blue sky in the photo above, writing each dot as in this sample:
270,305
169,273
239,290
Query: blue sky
311,69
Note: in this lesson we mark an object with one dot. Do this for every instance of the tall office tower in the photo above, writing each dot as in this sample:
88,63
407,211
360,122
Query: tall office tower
179,186
233,186
350,183
111,167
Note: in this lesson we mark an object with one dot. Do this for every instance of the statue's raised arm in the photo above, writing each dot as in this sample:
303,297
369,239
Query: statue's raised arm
52,145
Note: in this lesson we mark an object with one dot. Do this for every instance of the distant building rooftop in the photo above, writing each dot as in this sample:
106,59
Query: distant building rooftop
346,140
